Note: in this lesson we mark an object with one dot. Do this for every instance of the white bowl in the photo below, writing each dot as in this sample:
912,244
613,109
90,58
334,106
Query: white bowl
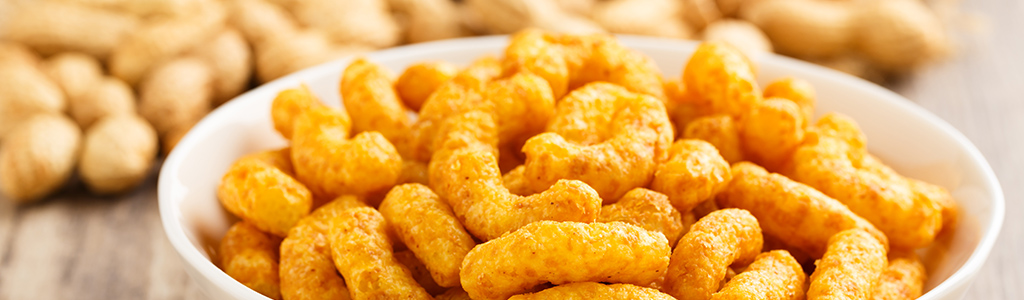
912,140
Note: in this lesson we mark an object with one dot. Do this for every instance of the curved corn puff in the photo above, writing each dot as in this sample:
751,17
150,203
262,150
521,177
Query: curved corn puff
520,104
564,252
797,90
701,260
332,165
834,165
430,229
595,291
371,101
461,94
648,209
719,130
289,104
938,194
693,173
523,104
603,135
307,270
420,80
771,132
797,214
941,196
903,279
363,254
250,256
464,172
721,76
259,188
851,265
530,50
773,275
570,61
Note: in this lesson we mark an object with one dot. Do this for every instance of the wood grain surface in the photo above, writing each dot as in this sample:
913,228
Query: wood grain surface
75,246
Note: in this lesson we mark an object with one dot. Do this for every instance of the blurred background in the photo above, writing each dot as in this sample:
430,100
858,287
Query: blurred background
134,76
125,79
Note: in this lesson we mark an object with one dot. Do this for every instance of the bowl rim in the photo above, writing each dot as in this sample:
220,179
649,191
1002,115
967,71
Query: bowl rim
174,231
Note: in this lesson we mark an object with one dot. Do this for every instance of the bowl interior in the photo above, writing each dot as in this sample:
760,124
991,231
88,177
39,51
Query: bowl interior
908,138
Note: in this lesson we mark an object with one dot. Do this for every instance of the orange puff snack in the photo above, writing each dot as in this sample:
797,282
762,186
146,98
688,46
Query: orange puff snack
850,267
363,254
715,242
603,135
648,209
307,269
331,164
250,256
554,172
260,189
832,162
564,252
464,172
693,173
795,213
595,291
773,275
430,229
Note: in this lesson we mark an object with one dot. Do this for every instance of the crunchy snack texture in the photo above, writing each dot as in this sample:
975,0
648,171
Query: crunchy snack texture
567,168
564,252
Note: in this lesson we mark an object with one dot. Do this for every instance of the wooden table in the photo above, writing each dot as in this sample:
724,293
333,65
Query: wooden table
75,246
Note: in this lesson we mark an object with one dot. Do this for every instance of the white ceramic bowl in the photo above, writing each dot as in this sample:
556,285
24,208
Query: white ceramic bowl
912,140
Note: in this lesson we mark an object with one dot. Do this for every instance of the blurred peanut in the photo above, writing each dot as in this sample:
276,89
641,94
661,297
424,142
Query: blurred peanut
14,53
643,17
38,157
146,8
53,27
24,92
117,153
75,73
177,92
805,28
899,35
700,13
568,23
170,139
109,96
471,19
260,20
363,22
742,34
853,64
731,8
577,7
507,16
230,60
428,20
288,54
161,40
